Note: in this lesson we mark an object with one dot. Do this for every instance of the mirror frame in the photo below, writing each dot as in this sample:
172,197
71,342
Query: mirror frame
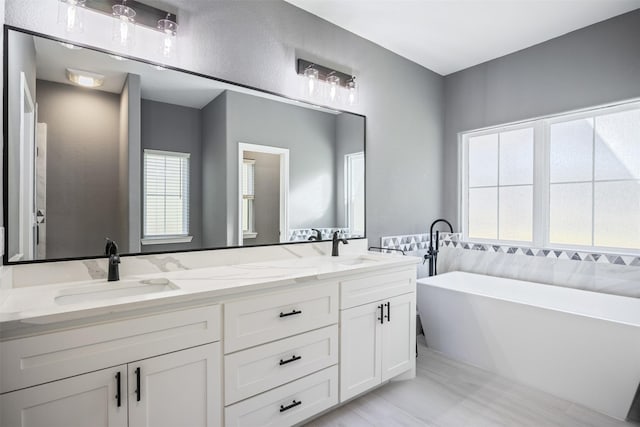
5,146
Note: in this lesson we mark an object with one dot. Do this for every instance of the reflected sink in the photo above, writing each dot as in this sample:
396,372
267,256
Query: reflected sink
109,290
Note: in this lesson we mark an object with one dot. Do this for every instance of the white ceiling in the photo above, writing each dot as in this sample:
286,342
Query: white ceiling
450,35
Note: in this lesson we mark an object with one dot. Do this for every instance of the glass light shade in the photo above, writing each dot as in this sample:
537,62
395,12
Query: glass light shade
123,25
332,89
169,30
352,91
311,81
71,15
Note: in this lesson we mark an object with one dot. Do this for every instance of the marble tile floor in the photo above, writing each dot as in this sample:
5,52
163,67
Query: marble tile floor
447,393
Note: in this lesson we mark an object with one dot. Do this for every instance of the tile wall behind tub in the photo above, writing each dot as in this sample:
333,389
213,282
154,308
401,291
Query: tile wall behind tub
612,274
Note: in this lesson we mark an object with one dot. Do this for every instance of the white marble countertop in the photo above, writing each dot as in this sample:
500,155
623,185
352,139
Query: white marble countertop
42,305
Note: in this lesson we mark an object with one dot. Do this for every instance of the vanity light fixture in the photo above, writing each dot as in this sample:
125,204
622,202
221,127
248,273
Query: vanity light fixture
71,15
169,31
338,87
85,78
123,24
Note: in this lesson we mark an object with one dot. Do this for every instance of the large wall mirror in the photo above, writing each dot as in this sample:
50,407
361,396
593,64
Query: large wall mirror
161,160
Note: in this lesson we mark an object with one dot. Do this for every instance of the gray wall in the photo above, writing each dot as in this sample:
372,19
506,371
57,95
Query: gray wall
267,198
171,127
310,137
82,184
23,59
215,229
591,66
257,43
349,138
123,172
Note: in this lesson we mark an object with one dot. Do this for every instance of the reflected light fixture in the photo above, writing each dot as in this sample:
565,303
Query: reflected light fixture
169,31
71,15
337,87
123,24
85,78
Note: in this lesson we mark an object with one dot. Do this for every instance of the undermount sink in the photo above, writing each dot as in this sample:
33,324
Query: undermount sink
356,261
109,290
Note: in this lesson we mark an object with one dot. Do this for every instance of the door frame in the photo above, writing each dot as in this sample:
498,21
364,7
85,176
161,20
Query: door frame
283,153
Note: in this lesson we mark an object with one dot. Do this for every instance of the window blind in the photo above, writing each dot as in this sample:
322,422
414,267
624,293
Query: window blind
166,193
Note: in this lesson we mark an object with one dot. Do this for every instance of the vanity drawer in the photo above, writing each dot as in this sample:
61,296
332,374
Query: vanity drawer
35,360
289,404
257,320
364,290
258,369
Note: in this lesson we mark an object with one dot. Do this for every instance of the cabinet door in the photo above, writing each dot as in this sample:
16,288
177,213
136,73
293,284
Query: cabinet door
360,346
81,401
398,336
177,389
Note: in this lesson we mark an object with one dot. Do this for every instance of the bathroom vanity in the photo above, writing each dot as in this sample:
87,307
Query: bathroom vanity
257,344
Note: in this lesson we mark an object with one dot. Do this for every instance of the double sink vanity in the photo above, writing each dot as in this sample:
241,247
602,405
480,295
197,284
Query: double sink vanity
254,344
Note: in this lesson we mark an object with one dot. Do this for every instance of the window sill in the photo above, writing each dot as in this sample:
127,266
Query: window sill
249,235
165,240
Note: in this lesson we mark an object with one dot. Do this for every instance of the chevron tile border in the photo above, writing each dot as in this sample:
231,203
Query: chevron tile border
417,242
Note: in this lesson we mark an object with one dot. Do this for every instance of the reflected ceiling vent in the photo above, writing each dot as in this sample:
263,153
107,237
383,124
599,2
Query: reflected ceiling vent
85,78
127,16
321,83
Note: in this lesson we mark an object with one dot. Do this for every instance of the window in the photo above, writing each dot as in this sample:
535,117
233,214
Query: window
585,192
354,193
248,199
166,197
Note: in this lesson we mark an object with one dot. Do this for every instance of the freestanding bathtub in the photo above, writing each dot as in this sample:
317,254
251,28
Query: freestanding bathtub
578,345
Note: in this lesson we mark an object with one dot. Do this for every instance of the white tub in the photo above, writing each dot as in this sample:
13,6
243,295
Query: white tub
578,345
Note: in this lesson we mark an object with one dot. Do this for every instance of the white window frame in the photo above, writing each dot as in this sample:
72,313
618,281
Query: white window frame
541,177
251,232
168,238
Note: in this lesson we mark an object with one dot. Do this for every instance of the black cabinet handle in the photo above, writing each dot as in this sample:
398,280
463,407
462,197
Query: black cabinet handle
291,313
293,405
293,359
138,388
388,316
118,384
381,318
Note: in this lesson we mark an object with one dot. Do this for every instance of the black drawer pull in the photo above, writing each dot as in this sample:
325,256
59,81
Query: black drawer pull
293,405
388,316
293,359
381,318
138,389
291,313
118,385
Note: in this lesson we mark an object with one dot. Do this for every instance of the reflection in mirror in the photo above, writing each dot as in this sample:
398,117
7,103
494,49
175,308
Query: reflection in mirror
161,160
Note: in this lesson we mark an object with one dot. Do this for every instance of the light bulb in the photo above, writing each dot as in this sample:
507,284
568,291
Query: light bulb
70,14
123,25
311,76
169,29
333,86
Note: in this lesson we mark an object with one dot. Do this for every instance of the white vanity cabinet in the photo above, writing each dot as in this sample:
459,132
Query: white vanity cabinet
377,338
63,388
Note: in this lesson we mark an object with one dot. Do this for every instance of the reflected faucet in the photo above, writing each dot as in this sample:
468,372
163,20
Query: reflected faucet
317,236
432,253
111,250
336,241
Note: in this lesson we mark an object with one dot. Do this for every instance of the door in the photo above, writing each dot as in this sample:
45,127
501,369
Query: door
177,389
41,191
398,335
85,400
360,350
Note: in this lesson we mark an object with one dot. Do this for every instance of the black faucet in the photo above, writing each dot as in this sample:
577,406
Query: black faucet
336,241
317,236
111,250
432,253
